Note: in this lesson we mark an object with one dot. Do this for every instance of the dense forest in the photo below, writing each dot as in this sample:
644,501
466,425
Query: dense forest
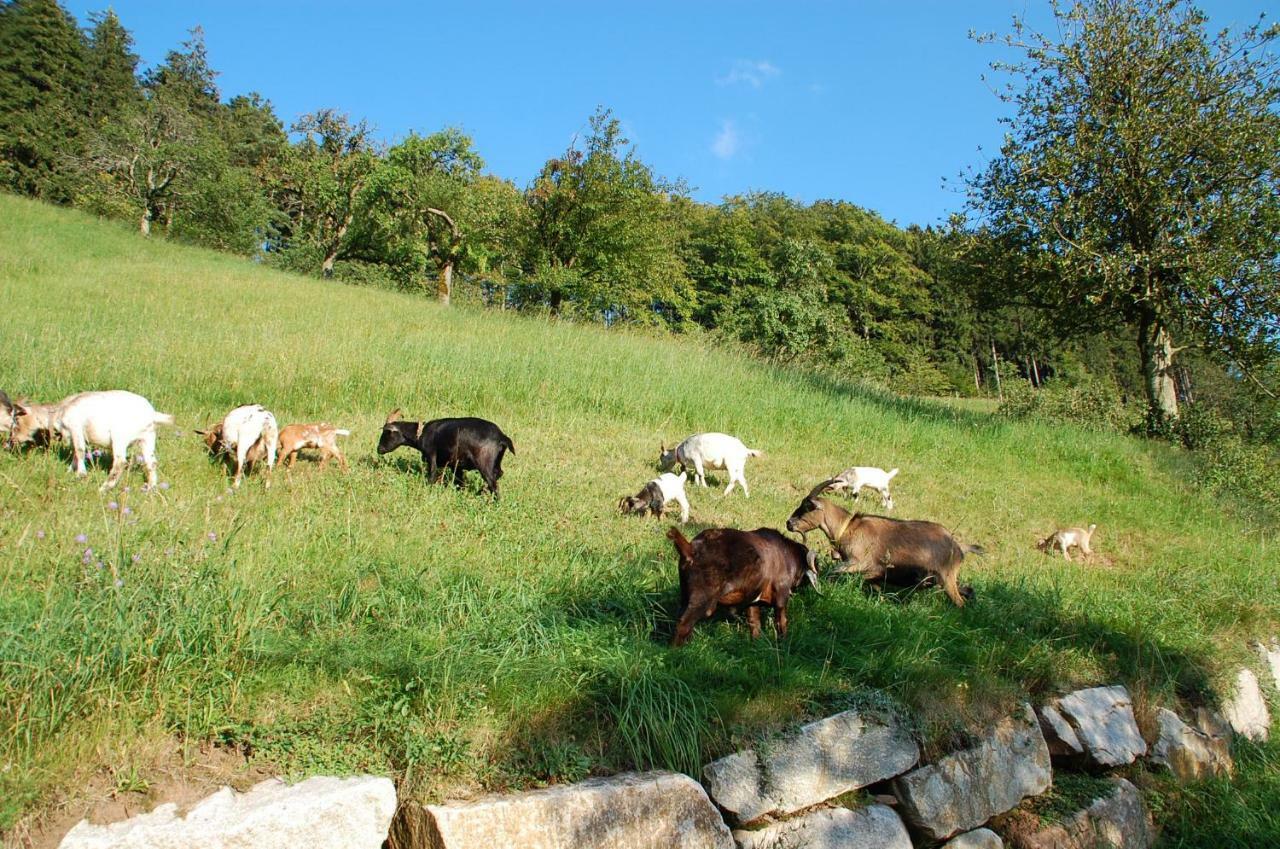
997,302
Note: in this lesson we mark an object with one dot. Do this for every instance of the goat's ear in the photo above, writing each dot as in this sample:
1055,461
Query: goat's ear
392,416
421,427
4,399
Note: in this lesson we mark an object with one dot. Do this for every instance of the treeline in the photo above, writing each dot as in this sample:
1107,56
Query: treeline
595,236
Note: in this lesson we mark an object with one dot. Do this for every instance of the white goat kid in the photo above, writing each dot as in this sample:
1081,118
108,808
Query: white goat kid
113,419
672,488
855,478
714,451
241,430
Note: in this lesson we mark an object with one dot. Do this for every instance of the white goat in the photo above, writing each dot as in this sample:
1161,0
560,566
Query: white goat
657,494
114,419
250,431
711,450
854,478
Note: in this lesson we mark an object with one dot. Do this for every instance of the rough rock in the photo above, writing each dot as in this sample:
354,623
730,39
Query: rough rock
319,813
820,761
1192,753
1100,728
1269,651
981,838
872,827
1118,820
1246,710
1058,733
965,789
646,810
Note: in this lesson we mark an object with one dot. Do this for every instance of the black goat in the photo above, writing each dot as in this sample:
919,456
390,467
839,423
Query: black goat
451,445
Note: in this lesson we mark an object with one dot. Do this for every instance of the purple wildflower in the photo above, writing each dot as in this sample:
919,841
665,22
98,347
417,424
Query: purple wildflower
137,558
168,552
82,538
213,537
111,505
99,565
126,511
119,583
164,484
39,534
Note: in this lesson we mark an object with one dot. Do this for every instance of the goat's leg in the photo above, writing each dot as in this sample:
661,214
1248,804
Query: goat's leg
684,508
119,460
78,450
148,448
241,451
698,476
780,616
1066,556
885,499
952,586
684,625
342,461
753,620
1084,548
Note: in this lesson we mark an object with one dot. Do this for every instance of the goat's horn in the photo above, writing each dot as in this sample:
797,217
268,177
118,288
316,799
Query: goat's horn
825,486
391,416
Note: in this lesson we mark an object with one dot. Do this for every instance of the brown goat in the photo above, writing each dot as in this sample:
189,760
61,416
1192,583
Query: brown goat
322,436
874,545
728,567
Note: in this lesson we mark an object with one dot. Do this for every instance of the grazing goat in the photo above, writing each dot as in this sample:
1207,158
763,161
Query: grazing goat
873,545
1064,538
26,423
323,437
728,567
855,478
710,450
251,432
115,419
656,494
455,444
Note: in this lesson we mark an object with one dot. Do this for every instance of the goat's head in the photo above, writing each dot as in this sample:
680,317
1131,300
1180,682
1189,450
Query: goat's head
28,426
394,434
212,438
810,513
666,459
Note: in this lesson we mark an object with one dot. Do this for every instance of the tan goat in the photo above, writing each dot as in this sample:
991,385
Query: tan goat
322,436
874,545
1064,538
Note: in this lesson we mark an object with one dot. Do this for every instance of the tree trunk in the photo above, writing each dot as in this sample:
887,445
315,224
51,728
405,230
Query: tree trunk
995,365
144,225
1155,349
326,268
444,288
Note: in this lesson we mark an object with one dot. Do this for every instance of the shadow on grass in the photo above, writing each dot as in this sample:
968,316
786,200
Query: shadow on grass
903,407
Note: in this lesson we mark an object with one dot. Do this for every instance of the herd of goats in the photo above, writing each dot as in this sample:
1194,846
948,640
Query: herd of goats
720,567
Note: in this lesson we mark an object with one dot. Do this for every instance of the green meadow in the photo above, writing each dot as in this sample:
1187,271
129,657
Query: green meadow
371,621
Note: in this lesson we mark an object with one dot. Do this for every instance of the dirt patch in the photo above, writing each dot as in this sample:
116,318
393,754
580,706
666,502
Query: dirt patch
172,773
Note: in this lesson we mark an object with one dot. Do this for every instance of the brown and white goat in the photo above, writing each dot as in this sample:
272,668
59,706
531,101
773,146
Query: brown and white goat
728,567
874,546
322,436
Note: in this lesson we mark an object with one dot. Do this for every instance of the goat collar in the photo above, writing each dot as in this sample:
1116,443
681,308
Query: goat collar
844,526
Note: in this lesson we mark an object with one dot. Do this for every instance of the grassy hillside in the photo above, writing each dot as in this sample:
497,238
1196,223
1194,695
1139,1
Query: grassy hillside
370,621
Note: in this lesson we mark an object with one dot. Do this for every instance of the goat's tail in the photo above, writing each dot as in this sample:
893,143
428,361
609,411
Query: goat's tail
341,432
974,549
683,547
891,474
511,446
754,452
163,418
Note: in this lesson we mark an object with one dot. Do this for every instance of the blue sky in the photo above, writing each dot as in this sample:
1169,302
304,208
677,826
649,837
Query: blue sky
871,102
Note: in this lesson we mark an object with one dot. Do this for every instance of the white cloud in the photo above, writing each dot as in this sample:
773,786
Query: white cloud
727,141
753,74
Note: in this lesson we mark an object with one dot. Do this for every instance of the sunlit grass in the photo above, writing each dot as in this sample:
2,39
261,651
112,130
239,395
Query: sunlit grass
370,621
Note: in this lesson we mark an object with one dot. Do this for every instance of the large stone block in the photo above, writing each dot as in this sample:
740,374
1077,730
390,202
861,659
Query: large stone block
820,761
1246,710
1118,820
1269,651
319,813
965,789
1095,725
872,827
649,810
1192,753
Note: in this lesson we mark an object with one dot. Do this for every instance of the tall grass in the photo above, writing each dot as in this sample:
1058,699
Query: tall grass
372,621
